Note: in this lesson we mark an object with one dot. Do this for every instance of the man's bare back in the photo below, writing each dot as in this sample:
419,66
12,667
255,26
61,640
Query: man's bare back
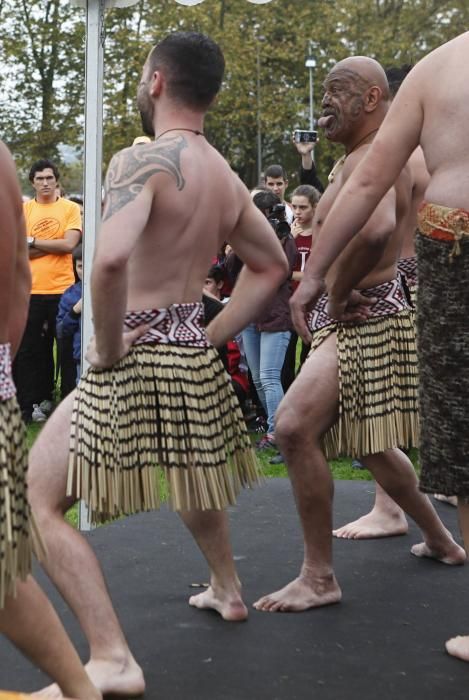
193,200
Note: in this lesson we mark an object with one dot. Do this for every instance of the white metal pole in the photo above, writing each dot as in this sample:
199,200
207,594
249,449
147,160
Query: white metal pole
311,107
92,170
259,122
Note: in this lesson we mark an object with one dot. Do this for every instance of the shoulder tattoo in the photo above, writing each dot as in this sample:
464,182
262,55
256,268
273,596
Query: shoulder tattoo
130,169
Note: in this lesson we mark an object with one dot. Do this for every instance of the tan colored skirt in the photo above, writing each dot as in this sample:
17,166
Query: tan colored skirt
164,406
378,386
18,534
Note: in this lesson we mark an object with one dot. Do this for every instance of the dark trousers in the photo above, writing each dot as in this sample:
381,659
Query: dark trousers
33,368
68,366
289,365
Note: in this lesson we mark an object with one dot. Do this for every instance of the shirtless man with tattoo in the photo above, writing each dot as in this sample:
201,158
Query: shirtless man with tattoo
373,409
156,391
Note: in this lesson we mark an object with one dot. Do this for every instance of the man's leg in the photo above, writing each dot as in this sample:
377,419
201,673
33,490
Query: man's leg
26,366
459,646
210,531
51,307
393,470
385,519
303,417
72,564
31,623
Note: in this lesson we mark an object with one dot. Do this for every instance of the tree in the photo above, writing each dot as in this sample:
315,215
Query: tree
266,83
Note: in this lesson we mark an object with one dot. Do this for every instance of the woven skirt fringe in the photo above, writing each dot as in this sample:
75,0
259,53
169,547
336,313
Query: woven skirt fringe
162,405
378,386
18,533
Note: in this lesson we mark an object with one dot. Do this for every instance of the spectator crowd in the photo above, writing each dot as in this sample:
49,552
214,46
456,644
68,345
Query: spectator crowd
262,360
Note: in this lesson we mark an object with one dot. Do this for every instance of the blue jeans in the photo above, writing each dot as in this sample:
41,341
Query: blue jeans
265,354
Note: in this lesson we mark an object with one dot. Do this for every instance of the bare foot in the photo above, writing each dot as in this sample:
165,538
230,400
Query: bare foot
377,523
451,553
40,694
116,678
230,606
300,595
53,691
459,647
452,500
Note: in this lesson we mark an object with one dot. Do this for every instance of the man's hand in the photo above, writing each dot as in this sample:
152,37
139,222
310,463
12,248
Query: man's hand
302,301
101,361
355,308
304,148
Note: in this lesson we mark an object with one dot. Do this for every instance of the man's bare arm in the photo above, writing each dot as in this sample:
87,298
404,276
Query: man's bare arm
265,268
353,267
15,277
56,246
127,209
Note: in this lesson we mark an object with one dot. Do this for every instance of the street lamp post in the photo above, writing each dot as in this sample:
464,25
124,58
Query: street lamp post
310,63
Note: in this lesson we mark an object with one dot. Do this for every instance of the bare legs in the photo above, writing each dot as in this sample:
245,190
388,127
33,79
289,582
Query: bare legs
393,470
385,519
210,530
303,417
299,425
31,623
72,565
459,646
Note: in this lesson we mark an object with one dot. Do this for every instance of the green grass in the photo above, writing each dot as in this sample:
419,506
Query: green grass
341,468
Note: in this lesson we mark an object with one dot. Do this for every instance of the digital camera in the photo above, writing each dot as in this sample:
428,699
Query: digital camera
302,136
278,221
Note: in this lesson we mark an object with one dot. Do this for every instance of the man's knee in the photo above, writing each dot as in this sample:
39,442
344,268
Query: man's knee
289,425
48,464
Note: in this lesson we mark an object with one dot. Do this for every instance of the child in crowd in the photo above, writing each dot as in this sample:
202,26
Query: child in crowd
69,313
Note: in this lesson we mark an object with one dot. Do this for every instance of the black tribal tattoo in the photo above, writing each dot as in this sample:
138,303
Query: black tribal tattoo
130,169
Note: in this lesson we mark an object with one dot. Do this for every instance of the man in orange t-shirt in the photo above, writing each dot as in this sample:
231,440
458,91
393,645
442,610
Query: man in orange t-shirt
53,226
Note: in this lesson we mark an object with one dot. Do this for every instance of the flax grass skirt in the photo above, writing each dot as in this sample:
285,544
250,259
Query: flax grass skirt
443,335
162,405
378,386
18,534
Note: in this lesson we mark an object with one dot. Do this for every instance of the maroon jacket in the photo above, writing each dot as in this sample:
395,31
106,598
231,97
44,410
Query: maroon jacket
277,316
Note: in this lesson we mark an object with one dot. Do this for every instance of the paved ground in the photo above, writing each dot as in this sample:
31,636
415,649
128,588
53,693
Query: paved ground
384,641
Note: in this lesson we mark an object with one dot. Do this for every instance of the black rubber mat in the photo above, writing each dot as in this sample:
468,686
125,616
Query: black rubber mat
384,641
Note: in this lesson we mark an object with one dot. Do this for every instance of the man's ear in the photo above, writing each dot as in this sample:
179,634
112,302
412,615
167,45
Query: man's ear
372,98
157,83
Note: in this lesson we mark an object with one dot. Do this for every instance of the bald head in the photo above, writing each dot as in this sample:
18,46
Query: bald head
365,71
356,99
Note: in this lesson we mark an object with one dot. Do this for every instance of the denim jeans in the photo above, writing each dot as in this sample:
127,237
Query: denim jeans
265,353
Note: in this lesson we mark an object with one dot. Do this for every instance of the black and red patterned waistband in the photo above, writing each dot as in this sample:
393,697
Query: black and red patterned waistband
178,324
390,299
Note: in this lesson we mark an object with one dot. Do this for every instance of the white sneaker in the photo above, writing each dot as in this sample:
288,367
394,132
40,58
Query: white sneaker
46,407
38,415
